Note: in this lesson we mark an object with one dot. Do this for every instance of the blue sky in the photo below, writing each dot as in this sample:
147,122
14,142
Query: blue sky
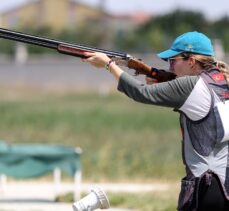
211,8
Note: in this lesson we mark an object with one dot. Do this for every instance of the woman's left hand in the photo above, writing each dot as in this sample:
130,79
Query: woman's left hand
99,60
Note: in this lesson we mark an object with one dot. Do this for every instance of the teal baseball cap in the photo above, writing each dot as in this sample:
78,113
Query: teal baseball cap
190,42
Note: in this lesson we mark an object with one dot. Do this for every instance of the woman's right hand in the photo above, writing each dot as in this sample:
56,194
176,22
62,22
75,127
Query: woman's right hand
150,80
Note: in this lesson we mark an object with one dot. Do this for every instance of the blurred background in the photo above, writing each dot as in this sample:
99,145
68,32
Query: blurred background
47,98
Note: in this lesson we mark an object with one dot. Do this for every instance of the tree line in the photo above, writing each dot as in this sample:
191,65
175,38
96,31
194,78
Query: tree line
160,31
154,35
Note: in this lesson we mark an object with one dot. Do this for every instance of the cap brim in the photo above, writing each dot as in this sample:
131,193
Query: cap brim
168,54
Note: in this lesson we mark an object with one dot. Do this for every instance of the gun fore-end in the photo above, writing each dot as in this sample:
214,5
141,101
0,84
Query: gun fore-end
79,51
69,50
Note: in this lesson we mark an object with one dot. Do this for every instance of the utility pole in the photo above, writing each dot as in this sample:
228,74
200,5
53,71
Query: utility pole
105,24
102,5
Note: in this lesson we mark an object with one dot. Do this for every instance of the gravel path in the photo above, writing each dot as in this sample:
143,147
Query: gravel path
39,196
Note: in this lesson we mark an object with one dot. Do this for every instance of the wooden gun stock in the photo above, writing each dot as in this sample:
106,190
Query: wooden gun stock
142,68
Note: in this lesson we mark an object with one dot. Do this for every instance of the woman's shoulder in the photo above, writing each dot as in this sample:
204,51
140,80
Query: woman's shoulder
190,79
186,83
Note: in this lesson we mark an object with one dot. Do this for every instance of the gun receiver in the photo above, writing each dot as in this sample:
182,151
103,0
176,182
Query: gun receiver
122,59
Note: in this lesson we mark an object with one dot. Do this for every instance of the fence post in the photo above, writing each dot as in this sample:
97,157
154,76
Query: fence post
77,185
3,183
57,180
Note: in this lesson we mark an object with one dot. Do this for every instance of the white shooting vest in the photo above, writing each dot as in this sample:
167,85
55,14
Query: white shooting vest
205,124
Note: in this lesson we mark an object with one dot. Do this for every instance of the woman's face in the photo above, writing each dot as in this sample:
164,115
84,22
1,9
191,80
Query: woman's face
180,66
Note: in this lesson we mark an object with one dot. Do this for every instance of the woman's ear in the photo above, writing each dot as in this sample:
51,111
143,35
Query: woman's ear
191,61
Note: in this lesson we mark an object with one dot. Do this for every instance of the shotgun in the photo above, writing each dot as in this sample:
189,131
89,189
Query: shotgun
76,50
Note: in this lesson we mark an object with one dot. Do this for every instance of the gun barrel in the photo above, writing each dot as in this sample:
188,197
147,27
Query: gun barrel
28,38
54,44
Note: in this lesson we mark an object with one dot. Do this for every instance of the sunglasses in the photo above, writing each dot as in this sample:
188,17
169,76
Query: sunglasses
173,60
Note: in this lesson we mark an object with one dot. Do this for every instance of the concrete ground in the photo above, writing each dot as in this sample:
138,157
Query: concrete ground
41,206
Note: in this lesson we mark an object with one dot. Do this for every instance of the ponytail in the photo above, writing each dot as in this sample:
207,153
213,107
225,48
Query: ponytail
224,68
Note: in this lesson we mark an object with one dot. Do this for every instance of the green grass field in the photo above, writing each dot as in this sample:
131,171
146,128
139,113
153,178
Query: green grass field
121,140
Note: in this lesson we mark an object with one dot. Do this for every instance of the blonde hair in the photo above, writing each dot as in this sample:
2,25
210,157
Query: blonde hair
224,68
208,62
